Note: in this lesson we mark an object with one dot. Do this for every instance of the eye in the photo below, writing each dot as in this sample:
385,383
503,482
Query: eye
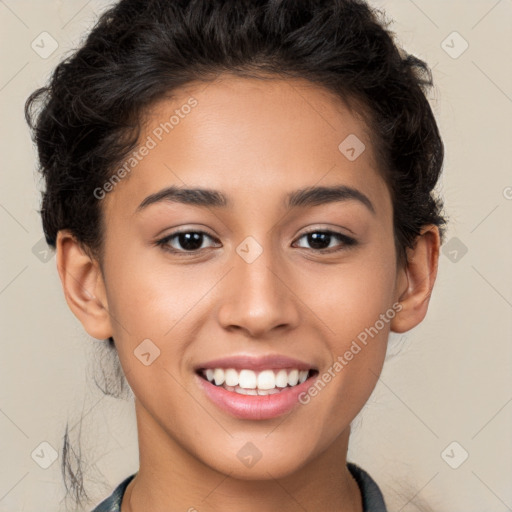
321,240
189,241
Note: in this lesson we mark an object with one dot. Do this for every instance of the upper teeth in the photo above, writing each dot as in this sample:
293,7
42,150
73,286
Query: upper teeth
248,379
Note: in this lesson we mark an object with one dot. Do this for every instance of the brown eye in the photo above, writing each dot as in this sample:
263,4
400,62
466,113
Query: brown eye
322,240
184,241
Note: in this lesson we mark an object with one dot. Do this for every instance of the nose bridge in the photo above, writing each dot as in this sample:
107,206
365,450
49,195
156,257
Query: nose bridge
257,299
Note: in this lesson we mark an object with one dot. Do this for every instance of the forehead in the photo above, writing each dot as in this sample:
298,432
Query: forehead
252,135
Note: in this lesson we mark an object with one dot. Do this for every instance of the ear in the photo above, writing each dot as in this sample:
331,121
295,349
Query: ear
84,289
416,280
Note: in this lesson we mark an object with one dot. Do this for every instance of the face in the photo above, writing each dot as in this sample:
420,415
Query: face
258,271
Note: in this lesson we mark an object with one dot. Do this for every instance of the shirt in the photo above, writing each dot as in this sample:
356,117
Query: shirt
373,501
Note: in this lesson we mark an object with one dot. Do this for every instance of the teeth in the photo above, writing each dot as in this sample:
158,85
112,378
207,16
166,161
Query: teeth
266,380
293,377
247,379
282,379
248,382
231,377
218,376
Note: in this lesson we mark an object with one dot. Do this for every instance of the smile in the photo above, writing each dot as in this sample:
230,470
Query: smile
255,395
249,382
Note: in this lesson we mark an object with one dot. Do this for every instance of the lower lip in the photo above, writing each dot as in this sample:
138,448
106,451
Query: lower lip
255,407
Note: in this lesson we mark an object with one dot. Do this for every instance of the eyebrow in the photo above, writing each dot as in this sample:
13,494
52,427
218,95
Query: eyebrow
304,197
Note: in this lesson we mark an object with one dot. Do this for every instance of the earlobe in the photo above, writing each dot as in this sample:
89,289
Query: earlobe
83,286
417,280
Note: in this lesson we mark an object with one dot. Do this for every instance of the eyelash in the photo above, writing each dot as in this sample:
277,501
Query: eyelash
346,241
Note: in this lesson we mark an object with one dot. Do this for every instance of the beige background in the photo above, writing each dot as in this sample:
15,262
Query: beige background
451,377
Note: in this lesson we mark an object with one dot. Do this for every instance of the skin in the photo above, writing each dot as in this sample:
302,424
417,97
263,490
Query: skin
255,141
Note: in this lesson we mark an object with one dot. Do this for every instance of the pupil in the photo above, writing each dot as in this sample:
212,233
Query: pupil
190,241
315,238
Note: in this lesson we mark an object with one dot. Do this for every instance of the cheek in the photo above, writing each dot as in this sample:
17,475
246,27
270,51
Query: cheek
351,297
356,305
146,296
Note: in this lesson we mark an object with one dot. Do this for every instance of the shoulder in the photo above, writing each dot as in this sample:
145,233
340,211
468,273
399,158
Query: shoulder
113,502
373,500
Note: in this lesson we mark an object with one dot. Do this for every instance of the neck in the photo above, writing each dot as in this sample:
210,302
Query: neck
172,479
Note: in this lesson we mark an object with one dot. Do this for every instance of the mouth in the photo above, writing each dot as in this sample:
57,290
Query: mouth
253,387
261,383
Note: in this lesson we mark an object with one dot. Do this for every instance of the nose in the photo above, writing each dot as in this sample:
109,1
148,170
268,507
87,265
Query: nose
258,297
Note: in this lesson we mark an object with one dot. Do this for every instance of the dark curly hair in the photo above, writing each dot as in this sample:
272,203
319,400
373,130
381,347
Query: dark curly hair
140,51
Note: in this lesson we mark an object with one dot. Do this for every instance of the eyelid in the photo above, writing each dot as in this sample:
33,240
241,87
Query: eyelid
319,229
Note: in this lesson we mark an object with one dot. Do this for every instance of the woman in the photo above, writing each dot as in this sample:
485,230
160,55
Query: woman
241,199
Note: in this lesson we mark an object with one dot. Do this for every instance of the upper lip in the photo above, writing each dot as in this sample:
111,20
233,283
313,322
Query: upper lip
255,363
